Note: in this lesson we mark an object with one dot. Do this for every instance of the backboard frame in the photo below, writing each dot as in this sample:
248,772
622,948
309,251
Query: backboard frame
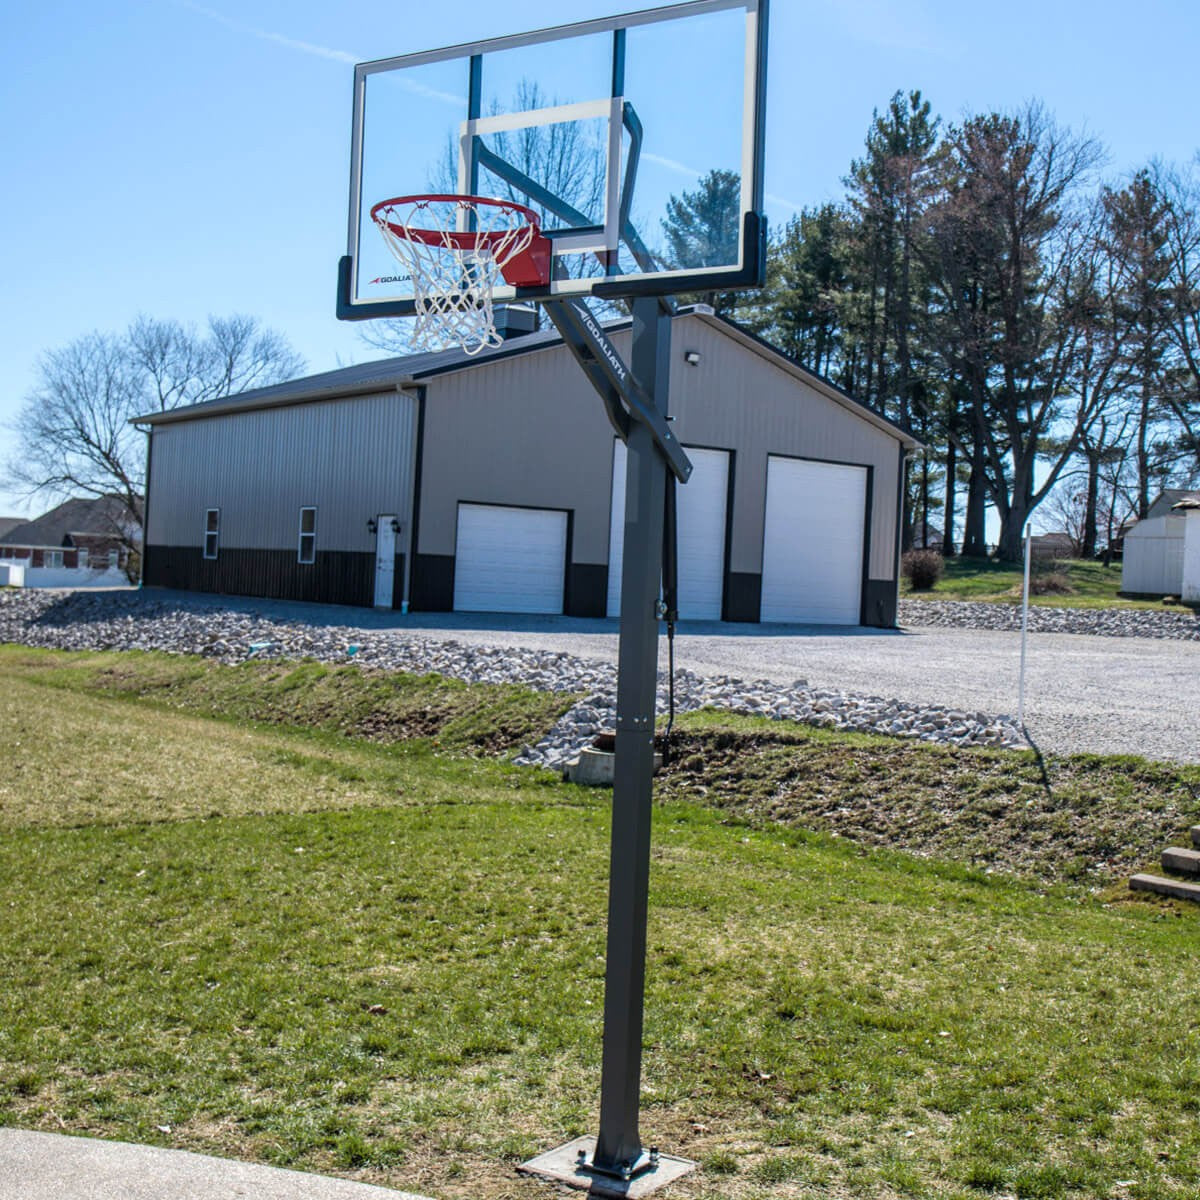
749,272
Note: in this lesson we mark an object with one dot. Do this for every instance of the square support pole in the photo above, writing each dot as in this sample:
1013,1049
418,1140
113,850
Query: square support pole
618,1147
615,1164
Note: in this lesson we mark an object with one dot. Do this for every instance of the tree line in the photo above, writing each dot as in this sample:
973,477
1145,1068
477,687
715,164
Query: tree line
1036,326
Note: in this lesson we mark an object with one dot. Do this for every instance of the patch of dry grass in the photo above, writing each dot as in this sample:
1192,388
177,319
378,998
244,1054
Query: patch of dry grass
78,759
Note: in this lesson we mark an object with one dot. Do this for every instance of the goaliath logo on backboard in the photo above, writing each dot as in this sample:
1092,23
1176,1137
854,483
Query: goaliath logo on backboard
392,279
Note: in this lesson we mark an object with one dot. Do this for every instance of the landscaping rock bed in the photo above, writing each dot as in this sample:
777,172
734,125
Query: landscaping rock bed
1098,622
220,629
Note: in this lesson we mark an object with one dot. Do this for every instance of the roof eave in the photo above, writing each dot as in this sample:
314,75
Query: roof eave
252,401
245,403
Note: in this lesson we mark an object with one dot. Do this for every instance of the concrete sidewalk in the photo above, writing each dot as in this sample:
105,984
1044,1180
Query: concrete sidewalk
50,1166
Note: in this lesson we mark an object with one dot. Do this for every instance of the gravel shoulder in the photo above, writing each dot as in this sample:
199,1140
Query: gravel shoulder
1084,693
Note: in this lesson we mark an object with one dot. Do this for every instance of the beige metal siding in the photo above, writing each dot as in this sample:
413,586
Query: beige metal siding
351,458
738,398
526,431
530,431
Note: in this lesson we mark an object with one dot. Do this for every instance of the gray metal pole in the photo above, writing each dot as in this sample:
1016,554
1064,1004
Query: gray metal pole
618,1146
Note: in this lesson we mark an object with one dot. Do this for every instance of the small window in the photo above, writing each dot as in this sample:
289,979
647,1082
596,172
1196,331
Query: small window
52,558
308,535
212,532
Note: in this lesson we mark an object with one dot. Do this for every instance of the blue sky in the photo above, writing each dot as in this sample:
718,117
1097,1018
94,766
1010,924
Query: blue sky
180,159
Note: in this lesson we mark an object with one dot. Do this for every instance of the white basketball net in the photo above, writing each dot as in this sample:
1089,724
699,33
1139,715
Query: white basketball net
452,285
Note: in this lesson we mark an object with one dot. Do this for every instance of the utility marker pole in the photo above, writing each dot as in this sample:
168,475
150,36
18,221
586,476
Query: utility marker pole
1024,628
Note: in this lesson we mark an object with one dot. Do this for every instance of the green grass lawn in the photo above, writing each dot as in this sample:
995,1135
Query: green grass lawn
1094,585
383,959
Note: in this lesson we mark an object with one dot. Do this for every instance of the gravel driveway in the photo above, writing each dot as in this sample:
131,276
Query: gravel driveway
1083,693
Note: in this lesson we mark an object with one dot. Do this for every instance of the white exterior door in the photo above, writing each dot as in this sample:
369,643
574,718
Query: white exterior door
700,516
813,538
385,561
510,559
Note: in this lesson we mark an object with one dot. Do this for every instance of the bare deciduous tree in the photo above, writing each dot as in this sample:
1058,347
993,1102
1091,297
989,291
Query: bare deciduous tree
73,428
1182,193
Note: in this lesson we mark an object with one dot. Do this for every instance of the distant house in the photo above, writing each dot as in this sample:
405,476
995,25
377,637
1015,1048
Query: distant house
81,543
1056,544
927,537
1154,548
1168,499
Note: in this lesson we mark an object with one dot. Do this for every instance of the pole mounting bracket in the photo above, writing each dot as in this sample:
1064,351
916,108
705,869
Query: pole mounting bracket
625,400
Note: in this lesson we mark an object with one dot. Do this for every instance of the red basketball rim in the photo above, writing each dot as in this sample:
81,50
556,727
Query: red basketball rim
461,240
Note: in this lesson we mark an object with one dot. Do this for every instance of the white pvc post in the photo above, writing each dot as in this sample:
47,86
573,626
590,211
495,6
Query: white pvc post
1024,627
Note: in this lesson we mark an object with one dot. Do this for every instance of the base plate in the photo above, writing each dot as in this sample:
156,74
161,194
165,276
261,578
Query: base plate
562,1165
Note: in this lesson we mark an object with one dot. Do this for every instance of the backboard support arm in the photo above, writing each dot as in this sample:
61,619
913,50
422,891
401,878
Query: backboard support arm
483,156
626,400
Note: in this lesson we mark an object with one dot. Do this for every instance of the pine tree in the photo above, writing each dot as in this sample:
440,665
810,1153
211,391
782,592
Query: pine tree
703,229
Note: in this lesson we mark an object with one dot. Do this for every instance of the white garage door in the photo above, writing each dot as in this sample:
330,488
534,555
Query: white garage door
510,559
700,509
813,542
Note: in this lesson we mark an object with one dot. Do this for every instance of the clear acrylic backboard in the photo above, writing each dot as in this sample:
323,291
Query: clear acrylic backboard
637,140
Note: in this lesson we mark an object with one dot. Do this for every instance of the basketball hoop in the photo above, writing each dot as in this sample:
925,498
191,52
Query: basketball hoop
454,248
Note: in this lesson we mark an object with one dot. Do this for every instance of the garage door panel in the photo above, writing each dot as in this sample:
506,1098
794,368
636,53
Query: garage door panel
509,559
701,533
813,542
700,519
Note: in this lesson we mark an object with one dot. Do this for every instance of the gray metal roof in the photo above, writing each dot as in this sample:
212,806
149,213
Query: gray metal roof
389,374
381,375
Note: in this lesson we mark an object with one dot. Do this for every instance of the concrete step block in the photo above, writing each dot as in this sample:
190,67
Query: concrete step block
594,768
1195,832
1181,861
1176,888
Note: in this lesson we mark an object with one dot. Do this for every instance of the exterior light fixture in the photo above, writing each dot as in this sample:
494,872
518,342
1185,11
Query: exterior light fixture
395,525
372,525
691,357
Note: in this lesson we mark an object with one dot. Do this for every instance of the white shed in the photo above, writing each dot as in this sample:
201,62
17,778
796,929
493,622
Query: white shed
1190,591
1155,547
